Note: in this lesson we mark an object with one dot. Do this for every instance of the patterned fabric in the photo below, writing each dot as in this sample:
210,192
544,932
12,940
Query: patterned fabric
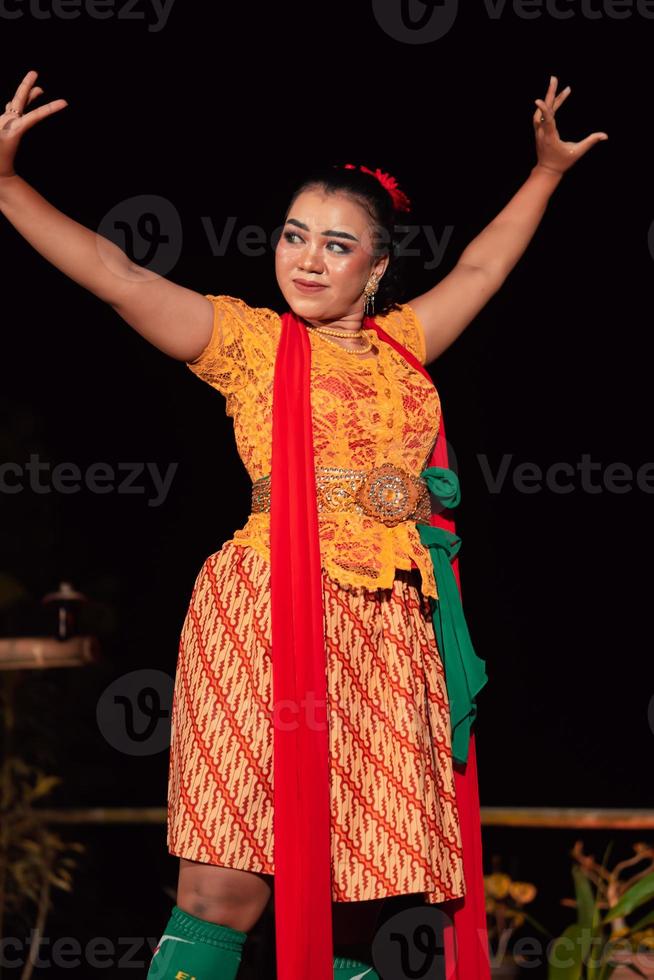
394,818
365,412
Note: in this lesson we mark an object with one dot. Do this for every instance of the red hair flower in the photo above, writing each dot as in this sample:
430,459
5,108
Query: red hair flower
400,200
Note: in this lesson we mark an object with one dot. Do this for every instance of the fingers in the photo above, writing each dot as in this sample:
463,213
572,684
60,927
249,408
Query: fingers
552,101
28,120
545,117
23,90
34,94
25,94
548,141
561,97
584,145
549,96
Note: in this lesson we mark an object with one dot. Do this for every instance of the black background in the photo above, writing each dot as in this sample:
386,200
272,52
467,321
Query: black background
220,112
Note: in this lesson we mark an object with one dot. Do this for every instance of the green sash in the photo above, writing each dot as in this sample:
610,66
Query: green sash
465,672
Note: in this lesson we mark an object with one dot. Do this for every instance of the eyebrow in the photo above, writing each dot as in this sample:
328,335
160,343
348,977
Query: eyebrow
332,234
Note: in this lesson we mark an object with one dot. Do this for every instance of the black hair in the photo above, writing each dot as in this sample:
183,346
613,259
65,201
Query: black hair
366,190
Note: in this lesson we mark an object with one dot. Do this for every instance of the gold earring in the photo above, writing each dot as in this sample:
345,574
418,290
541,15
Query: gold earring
369,292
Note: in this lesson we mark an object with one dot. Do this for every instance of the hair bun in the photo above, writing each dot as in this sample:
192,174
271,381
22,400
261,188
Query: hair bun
400,200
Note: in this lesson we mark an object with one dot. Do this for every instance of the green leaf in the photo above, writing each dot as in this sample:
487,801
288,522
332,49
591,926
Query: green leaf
645,921
637,895
597,945
585,901
598,938
608,850
565,958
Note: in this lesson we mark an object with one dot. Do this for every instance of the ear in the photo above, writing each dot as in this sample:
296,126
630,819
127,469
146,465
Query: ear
381,265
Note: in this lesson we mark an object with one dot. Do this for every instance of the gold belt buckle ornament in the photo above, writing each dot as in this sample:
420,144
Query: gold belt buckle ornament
388,494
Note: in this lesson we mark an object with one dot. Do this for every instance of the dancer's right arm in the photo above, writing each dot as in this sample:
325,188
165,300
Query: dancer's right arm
177,320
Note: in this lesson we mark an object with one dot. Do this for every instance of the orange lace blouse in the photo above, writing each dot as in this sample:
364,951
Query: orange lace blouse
365,412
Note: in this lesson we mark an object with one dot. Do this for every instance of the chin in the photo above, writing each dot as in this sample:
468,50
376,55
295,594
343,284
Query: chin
306,305
308,312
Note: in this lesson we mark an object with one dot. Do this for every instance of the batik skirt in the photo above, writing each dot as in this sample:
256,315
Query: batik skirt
394,819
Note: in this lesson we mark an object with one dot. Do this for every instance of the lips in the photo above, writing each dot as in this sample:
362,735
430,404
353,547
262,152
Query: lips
307,286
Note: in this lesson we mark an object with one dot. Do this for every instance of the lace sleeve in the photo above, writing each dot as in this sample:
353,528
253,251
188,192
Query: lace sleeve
241,342
404,325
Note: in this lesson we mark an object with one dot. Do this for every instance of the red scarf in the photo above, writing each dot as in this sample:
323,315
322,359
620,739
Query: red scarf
302,820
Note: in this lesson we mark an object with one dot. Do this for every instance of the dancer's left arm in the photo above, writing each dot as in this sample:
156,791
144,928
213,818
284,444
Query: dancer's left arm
445,310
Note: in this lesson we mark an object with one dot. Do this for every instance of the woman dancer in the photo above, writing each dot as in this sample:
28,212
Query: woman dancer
391,815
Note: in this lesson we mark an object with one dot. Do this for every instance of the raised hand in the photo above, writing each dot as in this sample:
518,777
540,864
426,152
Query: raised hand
554,153
14,121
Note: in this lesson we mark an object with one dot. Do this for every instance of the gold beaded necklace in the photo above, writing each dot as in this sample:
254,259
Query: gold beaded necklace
335,332
330,332
351,350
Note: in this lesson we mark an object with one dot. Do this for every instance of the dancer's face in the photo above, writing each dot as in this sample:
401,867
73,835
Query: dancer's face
326,239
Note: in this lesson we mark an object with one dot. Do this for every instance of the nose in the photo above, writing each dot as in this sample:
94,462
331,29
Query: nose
309,259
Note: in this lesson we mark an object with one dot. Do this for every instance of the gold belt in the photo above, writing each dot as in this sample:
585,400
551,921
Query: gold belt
387,492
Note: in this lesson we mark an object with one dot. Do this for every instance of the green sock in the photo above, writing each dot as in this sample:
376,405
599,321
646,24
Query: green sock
348,969
195,949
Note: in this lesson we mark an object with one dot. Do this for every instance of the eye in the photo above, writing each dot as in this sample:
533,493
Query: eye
289,235
345,248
